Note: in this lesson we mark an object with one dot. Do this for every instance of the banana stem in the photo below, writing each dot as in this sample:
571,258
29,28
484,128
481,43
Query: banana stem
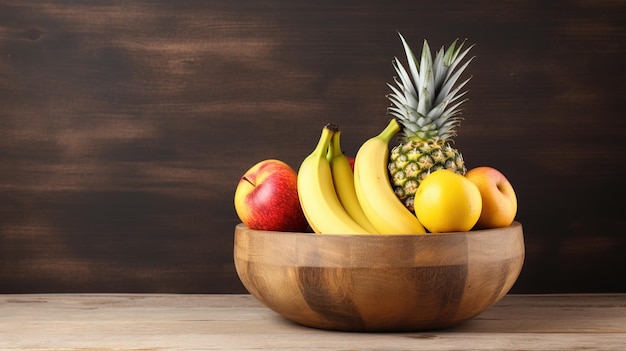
327,133
334,150
392,128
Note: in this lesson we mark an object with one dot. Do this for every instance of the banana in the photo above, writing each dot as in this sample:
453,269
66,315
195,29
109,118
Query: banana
316,191
376,196
343,180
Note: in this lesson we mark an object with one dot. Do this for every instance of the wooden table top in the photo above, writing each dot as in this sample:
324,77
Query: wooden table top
240,322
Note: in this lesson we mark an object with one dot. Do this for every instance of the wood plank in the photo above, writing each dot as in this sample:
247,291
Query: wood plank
125,125
239,322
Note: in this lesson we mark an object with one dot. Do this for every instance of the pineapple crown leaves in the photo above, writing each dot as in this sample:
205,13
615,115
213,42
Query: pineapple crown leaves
427,101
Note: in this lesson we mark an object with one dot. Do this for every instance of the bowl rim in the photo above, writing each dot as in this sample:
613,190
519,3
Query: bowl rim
513,226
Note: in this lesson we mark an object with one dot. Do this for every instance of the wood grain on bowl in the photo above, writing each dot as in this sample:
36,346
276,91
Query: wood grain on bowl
379,282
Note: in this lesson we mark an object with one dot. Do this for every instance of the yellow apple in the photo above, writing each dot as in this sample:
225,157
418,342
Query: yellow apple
447,202
266,198
499,199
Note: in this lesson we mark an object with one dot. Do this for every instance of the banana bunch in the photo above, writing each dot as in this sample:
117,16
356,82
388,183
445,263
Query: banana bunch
336,200
316,190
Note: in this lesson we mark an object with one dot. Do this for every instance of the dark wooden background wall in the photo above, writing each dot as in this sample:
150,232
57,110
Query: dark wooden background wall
125,126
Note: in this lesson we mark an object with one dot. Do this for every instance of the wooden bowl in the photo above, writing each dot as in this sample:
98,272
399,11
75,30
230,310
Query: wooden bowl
379,282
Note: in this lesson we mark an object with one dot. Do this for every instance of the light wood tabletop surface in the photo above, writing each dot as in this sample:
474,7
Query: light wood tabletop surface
239,322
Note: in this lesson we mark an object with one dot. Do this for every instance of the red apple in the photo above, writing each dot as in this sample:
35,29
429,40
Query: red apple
351,160
499,200
266,198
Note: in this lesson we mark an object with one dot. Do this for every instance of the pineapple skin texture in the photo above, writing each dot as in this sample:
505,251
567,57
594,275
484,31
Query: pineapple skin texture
411,162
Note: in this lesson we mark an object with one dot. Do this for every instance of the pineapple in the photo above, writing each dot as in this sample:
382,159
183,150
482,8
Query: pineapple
426,103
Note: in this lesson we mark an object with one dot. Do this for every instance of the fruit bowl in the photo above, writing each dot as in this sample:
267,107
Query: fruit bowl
379,282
